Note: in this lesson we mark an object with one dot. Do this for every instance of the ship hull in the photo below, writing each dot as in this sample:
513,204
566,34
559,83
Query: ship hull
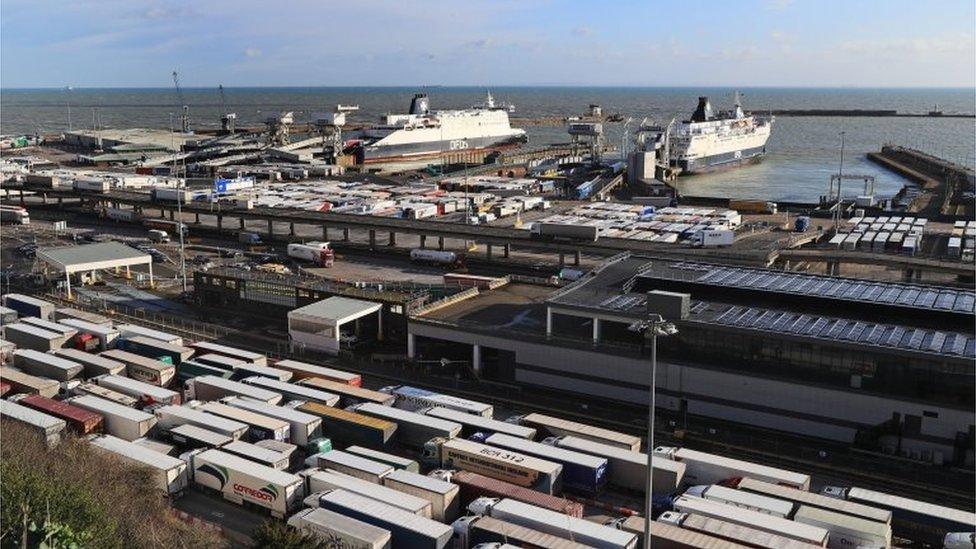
718,162
432,149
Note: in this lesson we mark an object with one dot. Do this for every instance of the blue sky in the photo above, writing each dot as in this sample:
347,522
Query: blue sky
113,43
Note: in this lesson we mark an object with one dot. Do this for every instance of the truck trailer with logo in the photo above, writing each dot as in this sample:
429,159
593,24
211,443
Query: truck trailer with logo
245,482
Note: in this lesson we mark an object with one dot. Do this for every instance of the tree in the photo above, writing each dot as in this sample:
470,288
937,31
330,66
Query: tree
75,496
274,534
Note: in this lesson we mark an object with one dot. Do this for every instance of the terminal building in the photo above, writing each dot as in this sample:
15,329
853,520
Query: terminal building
888,366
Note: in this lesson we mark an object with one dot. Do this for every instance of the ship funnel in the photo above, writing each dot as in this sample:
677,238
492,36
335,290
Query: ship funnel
703,112
420,104
737,106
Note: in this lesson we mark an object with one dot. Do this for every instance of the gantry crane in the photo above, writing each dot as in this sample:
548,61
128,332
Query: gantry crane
185,115
227,119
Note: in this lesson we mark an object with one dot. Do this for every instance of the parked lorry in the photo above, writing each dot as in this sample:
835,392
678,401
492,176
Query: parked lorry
79,420
153,348
559,231
506,465
926,522
134,330
21,382
340,530
549,426
302,370
746,500
317,482
148,370
250,357
120,421
713,238
26,305
581,472
474,485
627,469
92,365
257,454
846,531
352,465
216,388
753,519
348,394
259,426
551,522
413,430
407,529
146,393
170,473
46,365
347,428
728,531
93,389
27,336
414,399
397,462
100,336
245,482
158,236
813,499
51,429
303,427
442,495
170,417
191,437
487,532
292,391
704,468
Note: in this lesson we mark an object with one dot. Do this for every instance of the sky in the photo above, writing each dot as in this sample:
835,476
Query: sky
820,43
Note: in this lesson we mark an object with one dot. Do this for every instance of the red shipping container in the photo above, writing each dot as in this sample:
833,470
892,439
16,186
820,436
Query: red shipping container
81,421
4,388
474,486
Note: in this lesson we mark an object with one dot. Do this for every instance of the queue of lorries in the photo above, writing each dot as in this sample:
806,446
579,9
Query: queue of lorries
312,445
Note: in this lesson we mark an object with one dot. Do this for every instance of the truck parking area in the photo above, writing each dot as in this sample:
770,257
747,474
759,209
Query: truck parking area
442,483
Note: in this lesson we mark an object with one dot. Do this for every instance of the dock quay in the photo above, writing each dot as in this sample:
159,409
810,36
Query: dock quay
867,113
944,184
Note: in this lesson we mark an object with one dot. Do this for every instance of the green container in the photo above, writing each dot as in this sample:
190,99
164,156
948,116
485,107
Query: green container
318,446
166,359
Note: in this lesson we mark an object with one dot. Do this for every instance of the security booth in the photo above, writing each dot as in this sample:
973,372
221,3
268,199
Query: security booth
335,323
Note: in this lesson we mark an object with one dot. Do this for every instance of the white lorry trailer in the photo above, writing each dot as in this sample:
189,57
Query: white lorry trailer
704,468
407,529
174,416
628,469
442,495
551,522
169,472
245,482
317,482
120,421
340,530
303,428
352,465
413,430
46,365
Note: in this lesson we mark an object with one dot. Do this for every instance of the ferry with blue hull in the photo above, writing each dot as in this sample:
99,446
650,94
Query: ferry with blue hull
423,133
712,141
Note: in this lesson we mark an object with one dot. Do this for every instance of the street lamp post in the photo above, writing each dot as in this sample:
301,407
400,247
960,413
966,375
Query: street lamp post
653,327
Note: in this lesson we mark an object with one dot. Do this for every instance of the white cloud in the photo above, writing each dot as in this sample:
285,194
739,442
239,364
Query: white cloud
582,31
252,52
